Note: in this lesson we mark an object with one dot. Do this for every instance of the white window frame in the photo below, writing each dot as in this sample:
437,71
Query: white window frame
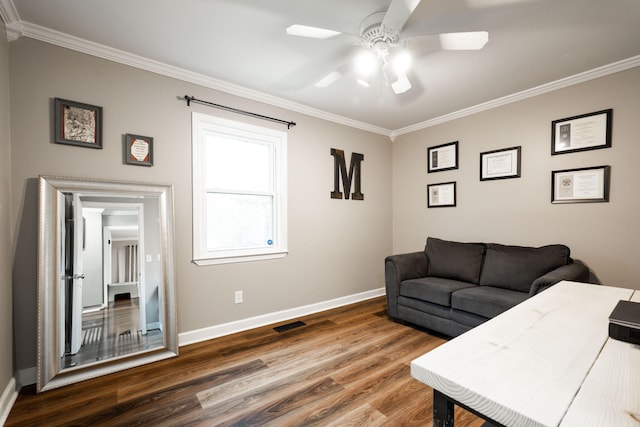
203,124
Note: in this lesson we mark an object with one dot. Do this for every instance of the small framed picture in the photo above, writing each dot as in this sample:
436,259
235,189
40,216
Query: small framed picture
138,150
500,164
580,133
582,185
77,124
442,157
441,195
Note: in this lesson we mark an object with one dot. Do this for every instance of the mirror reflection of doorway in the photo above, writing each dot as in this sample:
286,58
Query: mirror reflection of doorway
123,268
108,300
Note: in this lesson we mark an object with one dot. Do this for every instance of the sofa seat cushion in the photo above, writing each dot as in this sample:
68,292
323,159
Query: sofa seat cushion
486,301
516,267
432,289
455,260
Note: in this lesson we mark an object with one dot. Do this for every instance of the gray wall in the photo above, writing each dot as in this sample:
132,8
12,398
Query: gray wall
6,245
336,247
518,211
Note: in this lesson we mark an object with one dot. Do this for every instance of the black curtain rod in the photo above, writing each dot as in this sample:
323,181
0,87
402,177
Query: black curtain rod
191,99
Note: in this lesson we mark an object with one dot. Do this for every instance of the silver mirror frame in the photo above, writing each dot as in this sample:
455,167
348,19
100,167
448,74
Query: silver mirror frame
49,372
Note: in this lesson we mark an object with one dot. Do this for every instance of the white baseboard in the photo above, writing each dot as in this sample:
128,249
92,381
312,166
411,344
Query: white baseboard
8,398
216,331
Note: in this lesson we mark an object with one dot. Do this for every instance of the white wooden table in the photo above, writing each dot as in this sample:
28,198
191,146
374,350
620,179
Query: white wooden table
546,362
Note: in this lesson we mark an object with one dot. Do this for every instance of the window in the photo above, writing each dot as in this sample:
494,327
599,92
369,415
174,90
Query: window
239,191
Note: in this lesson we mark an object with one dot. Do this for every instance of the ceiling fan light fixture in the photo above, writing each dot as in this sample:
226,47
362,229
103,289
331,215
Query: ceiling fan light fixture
401,85
401,61
389,74
366,63
312,32
473,40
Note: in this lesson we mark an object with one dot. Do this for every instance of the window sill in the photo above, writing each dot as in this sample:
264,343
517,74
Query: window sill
239,258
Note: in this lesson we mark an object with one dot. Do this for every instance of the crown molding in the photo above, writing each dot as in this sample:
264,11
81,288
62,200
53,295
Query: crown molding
8,11
595,73
105,52
9,15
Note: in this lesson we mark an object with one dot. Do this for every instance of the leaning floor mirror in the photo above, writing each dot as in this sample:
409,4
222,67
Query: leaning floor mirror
106,278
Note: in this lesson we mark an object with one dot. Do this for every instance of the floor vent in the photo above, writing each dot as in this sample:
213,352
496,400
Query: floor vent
289,326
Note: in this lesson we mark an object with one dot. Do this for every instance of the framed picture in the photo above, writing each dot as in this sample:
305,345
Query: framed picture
77,124
442,157
138,150
500,164
441,195
582,185
580,133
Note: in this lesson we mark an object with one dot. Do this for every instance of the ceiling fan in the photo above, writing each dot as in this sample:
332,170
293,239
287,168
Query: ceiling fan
386,49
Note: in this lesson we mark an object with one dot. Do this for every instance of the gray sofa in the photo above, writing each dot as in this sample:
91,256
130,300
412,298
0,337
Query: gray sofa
451,287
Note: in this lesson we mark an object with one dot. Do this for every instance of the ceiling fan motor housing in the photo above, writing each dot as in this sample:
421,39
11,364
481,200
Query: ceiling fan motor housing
375,35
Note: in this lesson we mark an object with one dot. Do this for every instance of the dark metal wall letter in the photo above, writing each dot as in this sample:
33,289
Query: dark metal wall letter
353,176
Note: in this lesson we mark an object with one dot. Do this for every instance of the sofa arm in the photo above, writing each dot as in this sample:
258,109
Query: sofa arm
576,271
402,267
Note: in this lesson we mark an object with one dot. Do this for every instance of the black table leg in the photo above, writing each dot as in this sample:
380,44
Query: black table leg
442,410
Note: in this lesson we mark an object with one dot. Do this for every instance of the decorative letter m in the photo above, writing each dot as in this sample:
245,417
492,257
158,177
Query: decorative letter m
340,170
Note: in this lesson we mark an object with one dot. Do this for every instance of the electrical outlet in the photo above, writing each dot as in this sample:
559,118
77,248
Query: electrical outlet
238,297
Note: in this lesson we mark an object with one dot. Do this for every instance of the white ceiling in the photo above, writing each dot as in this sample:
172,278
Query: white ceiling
241,46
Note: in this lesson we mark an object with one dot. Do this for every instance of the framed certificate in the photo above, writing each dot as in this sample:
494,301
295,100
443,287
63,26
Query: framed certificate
582,185
579,133
138,150
441,195
442,157
500,164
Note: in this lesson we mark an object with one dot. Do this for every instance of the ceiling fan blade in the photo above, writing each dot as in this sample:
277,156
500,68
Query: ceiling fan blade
333,76
312,32
329,79
473,40
398,13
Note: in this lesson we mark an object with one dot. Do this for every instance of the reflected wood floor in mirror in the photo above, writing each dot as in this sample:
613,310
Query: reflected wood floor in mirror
113,331
346,366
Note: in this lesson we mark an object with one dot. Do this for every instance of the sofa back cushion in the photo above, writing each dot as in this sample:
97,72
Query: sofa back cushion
455,260
516,267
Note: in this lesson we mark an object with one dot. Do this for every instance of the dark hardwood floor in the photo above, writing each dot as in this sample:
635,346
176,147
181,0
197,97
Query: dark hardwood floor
346,366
